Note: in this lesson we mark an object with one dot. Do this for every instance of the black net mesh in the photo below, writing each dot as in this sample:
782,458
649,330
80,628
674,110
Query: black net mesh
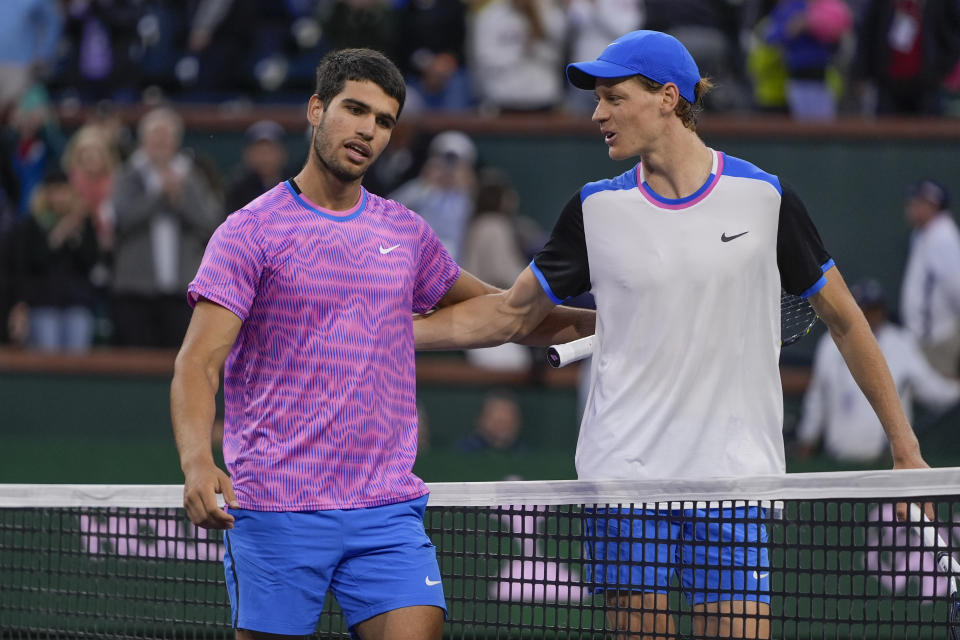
812,568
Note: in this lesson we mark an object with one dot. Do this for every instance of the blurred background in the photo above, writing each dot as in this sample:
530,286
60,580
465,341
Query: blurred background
111,110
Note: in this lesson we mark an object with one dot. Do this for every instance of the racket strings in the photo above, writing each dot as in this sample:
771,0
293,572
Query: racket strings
797,318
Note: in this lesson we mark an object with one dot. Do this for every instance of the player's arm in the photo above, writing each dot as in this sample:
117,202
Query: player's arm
526,313
557,324
860,351
196,379
485,320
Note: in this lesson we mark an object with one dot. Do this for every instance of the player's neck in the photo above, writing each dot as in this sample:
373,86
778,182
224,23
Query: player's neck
325,189
678,165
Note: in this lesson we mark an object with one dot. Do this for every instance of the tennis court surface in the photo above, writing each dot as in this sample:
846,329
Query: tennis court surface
519,559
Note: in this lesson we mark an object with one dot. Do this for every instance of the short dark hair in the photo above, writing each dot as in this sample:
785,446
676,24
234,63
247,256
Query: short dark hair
358,64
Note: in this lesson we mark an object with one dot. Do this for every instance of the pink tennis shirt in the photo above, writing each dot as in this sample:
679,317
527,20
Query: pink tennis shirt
320,386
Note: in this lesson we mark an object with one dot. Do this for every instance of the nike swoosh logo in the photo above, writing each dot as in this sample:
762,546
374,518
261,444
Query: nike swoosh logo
384,252
430,583
760,576
723,237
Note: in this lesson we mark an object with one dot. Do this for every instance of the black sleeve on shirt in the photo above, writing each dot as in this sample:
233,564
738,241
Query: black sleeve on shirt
800,252
563,260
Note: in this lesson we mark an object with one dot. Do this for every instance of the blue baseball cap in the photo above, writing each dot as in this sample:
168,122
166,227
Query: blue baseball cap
652,54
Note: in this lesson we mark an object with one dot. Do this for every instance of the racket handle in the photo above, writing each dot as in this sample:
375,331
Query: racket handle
560,355
934,542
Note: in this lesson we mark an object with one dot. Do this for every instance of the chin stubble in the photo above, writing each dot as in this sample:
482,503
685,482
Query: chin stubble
337,170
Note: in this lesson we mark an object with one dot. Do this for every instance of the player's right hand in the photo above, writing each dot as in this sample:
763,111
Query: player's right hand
200,500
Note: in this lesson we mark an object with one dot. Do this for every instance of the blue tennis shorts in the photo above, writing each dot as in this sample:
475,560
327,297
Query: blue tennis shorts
279,565
717,554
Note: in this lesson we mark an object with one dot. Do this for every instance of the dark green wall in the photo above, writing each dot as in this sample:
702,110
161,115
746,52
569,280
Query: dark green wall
80,428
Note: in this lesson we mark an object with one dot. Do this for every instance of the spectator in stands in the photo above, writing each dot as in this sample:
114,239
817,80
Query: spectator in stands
516,47
431,56
9,197
55,250
220,43
264,161
905,49
766,70
808,33
9,187
710,30
104,42
29,33
90,163
35,142
930,297
165,212
120,137
398,163
360,23
493,252
593,24
443,192
498,425
836,411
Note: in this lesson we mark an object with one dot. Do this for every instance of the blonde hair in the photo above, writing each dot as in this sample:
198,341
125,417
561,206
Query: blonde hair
687,111
89,136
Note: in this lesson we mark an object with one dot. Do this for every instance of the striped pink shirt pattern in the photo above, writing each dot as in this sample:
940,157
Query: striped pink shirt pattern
320,387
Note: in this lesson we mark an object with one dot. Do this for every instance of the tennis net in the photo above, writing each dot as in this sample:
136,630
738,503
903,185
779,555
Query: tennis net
818,555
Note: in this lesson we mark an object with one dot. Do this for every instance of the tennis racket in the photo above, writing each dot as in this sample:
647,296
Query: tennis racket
797,319
947,565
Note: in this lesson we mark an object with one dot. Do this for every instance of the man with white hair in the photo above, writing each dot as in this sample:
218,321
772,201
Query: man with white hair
165,213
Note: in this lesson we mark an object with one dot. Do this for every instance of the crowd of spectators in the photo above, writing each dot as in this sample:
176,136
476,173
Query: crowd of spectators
813,58
102,227
923,354
109,206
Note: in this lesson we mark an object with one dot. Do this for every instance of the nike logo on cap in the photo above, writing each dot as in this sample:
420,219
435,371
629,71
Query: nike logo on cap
723,237
384,252
430,583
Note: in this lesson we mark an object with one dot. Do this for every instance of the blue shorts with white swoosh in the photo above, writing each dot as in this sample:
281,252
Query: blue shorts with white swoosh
279,565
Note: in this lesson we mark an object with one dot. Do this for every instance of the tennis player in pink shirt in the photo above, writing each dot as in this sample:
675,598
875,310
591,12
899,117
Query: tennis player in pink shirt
305,298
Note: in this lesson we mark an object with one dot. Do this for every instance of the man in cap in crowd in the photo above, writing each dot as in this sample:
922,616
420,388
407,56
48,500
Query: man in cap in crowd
443,193
930,297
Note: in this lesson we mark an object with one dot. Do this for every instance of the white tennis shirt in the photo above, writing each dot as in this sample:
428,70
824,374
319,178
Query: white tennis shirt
930,298
685,370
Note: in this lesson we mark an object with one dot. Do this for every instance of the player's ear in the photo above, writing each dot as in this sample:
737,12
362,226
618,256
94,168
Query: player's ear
670,97
314,110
